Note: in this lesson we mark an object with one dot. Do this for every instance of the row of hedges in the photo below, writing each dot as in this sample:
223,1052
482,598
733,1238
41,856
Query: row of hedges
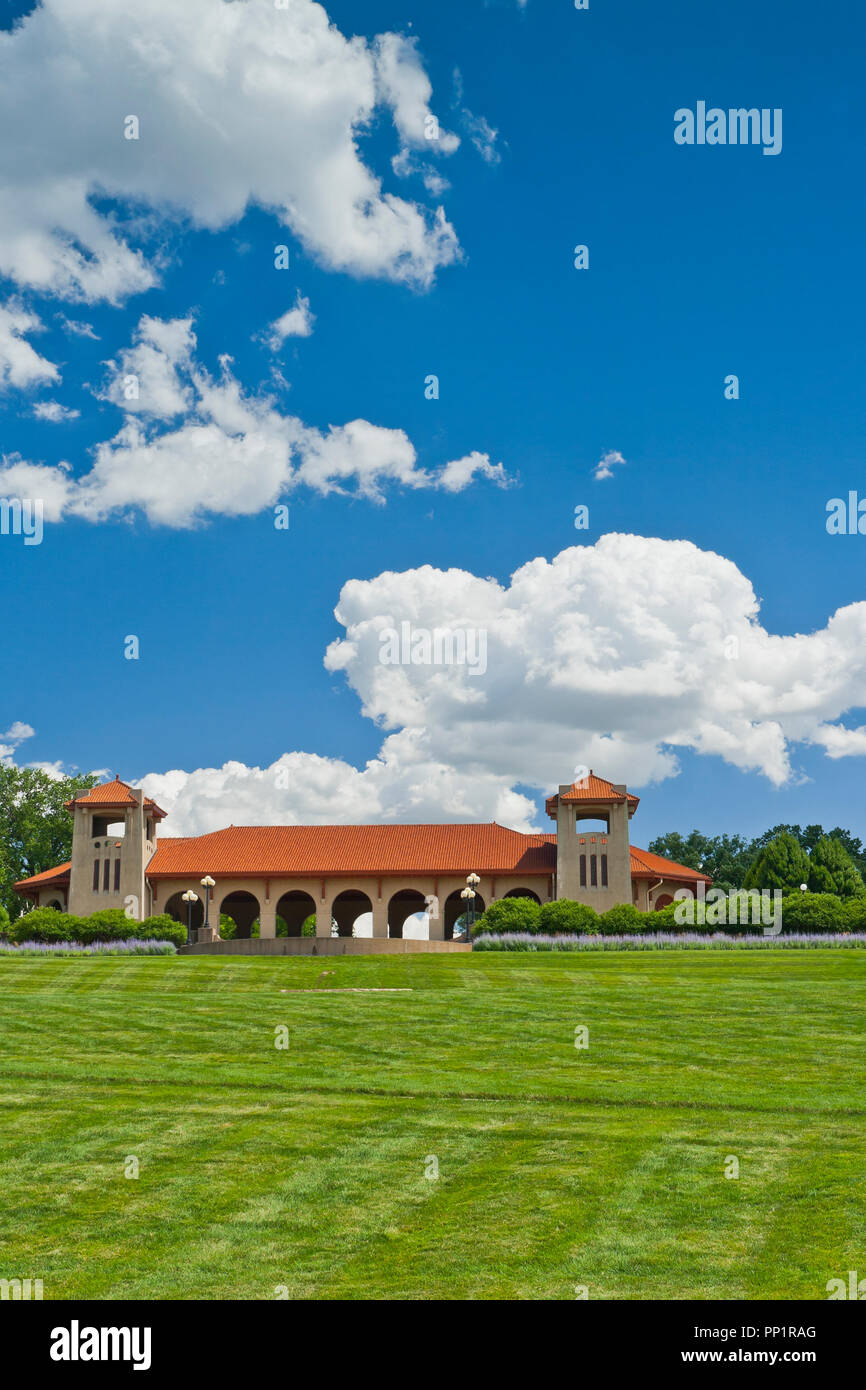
801,912
45,924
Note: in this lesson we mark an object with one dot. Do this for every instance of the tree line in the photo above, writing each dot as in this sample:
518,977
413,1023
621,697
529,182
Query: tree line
786,857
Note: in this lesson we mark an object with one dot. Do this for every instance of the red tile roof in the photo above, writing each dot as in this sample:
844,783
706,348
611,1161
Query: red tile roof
111,794
311,850
646,865
48,878
591,788
356,849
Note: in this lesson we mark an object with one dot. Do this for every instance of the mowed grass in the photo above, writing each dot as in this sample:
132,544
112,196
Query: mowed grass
306,1168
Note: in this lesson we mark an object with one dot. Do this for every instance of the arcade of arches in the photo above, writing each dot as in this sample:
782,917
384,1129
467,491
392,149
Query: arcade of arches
433,910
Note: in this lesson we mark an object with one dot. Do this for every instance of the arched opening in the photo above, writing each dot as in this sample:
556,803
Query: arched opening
592,824
294,908
177,908
523,893
408,916
243,909
663,900
55,905
346,908
455,915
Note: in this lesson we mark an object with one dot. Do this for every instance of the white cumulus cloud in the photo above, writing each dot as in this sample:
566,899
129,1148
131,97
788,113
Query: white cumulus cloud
615,656
234,103
20,364
194,445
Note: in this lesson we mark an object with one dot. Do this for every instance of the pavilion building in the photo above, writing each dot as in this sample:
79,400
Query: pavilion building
391,876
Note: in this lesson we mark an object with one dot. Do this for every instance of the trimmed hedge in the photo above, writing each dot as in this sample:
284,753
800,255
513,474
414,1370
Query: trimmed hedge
509,915
622,920
568,918
810,913
44,924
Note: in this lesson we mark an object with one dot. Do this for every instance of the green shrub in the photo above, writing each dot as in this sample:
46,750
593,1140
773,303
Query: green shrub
508,915
4,924
816,912
623,919
158,928
854,915
309,927
664,919
44,924
565,916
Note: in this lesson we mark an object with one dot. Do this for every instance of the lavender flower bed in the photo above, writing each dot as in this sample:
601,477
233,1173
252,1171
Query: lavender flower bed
665,941
132,947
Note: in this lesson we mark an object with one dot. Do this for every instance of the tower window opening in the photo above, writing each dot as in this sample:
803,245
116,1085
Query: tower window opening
604,871
583,871
593,871
117,875
96,875
106,875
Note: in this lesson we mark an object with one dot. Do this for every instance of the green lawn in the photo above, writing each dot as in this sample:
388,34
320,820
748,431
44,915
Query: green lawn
558,1167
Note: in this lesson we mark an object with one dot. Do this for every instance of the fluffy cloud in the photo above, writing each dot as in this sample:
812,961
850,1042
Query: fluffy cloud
459,473
294,323
20,364
606,464
151,377
614,656
401,785
54,412
238,102
14,736
232,454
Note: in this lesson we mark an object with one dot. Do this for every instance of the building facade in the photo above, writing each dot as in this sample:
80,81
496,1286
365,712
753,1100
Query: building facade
372,880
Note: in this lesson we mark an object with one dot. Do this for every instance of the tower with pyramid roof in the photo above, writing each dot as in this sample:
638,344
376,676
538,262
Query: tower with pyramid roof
593,863
113,841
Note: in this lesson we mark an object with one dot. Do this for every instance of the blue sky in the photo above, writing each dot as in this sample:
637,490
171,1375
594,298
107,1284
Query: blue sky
703,262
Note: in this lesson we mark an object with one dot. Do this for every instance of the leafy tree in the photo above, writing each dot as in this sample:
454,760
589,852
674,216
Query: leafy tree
782,863
726,858
35,827
832,870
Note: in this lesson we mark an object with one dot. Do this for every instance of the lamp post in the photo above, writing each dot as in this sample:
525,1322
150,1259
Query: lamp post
189,897
207,884
468,895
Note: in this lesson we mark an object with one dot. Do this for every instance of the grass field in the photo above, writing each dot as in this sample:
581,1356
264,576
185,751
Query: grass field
305,1167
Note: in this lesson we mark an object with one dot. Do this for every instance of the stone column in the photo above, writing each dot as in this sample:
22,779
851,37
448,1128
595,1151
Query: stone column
380,917
268,916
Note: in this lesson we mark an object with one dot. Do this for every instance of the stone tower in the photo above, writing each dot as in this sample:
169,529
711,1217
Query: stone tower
108,869
593,865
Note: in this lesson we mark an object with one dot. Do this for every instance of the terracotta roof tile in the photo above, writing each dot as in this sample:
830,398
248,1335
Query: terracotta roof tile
591,788
645,865
60,876
109,794
356,849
